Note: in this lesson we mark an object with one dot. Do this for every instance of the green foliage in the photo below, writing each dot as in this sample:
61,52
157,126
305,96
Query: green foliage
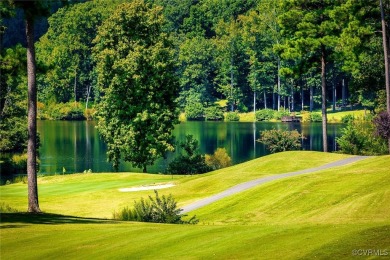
90,113
311,117
347,119
281,140
13,100
65,51
158,210
62,111
19,162
382,124
279,114
315,117
358,138
220,159
265,114
194,111
213,113
196,69
191,162
5,208
136,75
232,116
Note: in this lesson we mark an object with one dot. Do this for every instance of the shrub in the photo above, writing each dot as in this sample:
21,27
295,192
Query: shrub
315,117
157,210
66,111
358,138
281,140
232,116
220,159
279,114
347,118
382,124
191,162
311,117
213,113
5,208
194,111
90,113
19,164
265,114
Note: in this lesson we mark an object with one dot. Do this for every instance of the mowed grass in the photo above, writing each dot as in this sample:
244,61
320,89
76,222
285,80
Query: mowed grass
98,195
324,215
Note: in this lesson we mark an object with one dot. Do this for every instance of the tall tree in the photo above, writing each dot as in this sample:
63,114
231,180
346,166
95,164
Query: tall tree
386,58
32,10
136,75
387,70
312,34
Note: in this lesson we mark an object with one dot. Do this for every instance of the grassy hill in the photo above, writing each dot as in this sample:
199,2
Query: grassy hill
326,214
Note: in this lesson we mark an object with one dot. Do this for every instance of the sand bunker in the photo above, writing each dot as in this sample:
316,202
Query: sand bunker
148,187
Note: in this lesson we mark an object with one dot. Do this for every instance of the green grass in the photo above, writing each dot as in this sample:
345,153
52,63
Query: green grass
336,117
321,215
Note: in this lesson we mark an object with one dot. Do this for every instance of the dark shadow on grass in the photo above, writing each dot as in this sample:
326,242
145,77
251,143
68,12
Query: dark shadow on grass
47,218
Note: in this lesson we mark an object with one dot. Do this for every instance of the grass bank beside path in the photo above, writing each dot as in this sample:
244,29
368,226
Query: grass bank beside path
98,195
331,214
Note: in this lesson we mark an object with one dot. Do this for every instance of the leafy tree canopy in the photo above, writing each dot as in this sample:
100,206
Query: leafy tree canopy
135,69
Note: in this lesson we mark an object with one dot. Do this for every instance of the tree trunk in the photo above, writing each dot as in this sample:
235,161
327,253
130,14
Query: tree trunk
231,83
344,92
292,97
278,84
302,97
311,98
254,102
385,51
333,93
323,87
75,86
265,99
33,205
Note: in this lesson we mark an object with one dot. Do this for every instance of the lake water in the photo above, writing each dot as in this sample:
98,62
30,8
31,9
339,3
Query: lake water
76,145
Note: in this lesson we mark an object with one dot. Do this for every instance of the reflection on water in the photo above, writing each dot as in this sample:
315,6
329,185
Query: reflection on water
76,146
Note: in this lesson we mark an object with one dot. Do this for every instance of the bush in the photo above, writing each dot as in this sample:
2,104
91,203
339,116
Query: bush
90,113
232,116
279,114
5,208
348,118
19,163
265,115
280,140
194,111
65,111
315,117
191,162
358,138
311,117
213,113
157,210
382,124
220,159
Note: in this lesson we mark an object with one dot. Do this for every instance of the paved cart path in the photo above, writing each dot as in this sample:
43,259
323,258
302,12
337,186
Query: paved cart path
253,183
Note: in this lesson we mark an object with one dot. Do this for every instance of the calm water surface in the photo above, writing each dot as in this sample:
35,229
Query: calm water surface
77,146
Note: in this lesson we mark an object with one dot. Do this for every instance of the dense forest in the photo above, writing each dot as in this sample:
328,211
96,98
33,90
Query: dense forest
229,55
